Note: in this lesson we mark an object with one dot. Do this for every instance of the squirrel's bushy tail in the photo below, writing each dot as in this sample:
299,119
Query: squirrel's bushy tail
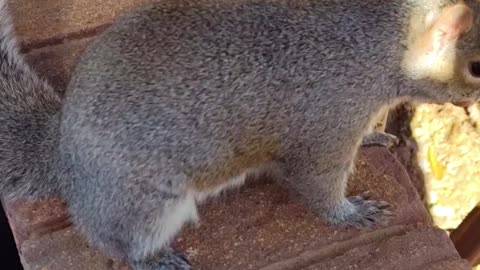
29,122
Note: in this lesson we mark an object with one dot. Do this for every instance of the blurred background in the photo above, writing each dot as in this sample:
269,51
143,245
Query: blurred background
440,148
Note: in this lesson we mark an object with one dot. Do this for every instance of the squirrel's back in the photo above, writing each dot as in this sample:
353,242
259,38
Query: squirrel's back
189,76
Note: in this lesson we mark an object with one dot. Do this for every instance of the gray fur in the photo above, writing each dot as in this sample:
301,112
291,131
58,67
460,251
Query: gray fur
29,123
175,92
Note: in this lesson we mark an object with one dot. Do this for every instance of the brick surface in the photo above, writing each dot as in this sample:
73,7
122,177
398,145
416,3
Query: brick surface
260,226
62,250
37,21
57,62
34,220
413,248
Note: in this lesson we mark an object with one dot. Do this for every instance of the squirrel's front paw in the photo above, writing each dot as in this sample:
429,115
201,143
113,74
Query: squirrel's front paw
360,212
380,139
170,260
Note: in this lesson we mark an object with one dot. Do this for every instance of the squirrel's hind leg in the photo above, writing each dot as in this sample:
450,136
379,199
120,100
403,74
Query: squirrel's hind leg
137,227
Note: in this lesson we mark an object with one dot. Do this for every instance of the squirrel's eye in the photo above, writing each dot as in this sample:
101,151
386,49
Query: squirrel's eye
474,69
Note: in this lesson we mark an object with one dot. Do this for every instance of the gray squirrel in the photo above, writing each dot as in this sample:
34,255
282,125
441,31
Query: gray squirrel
181,100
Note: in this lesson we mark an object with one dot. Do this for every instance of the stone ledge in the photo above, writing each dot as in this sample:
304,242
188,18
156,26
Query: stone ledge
38,21
61,250
260,226
57,62
412,248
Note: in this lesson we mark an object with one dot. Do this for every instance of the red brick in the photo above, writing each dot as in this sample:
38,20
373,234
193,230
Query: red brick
34,220
414,249
62,250
57,62
36,21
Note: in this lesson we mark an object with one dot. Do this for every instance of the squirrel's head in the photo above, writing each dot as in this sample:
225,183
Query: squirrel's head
444,49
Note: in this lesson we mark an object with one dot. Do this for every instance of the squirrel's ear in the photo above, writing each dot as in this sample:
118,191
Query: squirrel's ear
448,26
433,53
